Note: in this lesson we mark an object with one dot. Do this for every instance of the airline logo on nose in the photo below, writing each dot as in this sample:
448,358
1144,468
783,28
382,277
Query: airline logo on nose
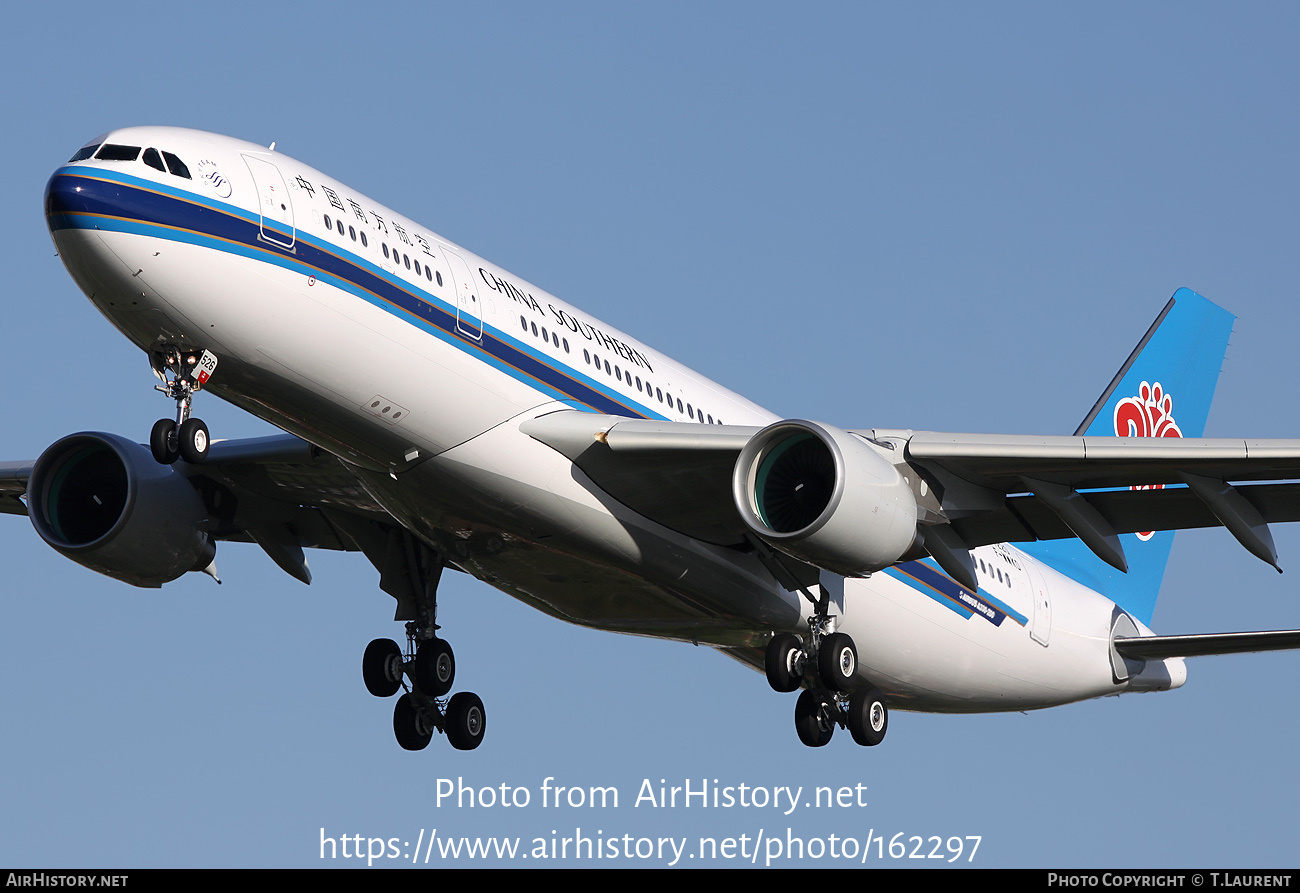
216,181
1149,414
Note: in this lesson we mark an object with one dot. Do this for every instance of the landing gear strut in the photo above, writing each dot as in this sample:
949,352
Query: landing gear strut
182,373
834,695
427,669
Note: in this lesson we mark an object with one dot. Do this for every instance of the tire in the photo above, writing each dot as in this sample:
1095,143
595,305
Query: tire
412,732
162,442
192,441
811,721
779,662
868,716
435,668
837,662
377,668
466,721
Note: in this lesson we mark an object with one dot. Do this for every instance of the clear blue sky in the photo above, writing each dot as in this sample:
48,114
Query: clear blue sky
954,217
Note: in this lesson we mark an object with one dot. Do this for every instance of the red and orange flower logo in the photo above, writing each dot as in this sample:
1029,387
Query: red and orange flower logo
1149,414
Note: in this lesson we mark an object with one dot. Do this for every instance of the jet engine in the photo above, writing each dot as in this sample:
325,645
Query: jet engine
104,502
825,496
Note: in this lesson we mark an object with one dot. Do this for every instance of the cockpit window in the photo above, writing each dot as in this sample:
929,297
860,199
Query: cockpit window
176,166
154,160
114,152
84,152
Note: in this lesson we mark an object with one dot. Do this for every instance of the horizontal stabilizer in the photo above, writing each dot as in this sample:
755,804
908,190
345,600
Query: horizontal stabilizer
1160,647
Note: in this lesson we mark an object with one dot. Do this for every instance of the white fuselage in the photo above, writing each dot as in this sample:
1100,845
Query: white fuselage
415,362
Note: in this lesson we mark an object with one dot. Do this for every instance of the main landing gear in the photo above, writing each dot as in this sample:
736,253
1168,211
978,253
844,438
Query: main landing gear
426,670
182,373
834,696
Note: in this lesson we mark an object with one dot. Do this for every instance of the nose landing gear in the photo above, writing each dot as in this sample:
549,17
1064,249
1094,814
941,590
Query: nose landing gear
182,373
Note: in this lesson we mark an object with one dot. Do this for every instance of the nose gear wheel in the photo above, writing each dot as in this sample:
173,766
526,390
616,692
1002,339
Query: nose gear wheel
182,373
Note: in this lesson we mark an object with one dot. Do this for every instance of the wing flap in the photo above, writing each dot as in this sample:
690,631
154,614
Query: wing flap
1025,518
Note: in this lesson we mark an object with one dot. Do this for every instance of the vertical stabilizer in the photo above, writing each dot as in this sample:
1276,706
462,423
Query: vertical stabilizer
1163,390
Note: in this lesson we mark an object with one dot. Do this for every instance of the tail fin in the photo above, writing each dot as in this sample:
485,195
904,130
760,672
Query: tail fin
1163,390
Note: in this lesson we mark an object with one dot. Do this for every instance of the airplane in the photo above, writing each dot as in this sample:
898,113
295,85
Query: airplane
440,413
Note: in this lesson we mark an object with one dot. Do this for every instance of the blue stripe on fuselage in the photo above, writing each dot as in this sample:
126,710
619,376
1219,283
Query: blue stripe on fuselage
80,198
930,581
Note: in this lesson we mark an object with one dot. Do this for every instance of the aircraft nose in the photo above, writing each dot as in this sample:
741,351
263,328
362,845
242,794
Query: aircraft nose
66,197
57,197
74,200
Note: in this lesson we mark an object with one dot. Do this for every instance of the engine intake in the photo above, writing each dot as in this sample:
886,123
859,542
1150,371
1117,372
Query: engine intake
104,502
824,496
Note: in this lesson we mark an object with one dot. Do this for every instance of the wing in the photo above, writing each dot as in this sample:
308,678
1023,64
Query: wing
970,489
13,484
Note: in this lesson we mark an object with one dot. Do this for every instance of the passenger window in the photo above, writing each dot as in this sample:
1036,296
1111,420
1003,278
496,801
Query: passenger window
154,160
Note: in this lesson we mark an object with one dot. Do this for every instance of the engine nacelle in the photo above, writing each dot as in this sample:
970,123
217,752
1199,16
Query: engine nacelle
104,502
824,496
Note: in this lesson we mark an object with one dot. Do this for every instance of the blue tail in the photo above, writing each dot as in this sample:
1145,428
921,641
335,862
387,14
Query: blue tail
1163,390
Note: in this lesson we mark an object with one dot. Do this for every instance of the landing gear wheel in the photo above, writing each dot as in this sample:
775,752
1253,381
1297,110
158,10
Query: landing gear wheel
192,441
782,662
868,716
837,662
381,668
412,730
435,668
466,721
814,719
162,442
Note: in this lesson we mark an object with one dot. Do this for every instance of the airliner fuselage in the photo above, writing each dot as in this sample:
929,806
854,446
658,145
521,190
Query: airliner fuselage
420,366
